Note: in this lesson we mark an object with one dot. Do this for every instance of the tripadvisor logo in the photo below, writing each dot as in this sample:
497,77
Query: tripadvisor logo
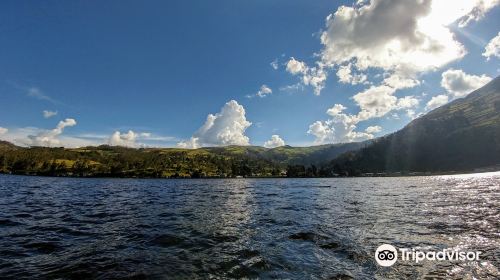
387,255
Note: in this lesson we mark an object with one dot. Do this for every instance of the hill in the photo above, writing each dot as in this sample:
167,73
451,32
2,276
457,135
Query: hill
112,161
460,136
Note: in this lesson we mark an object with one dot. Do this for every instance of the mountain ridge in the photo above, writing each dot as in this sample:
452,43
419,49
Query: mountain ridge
459,136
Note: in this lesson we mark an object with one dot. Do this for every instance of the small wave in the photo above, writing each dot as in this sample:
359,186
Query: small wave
306,236
43,247
8,223
167,240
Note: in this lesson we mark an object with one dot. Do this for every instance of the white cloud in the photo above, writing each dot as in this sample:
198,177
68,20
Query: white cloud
123,139
131,139
493,47
224,128
292,88
373,129
375,102
274,64
311,76
32,136
402,38
47,114
191,143
437,101
340,128
478,10
322,131
50,138
407,102
264,91
295,67
315,77
38,94
274,142
3,130
345,75
399,82
459,84
336,110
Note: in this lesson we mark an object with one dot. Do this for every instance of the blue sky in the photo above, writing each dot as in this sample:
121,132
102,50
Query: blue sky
150,72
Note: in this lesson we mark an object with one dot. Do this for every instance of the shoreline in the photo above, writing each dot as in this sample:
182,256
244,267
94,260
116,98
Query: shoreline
410,174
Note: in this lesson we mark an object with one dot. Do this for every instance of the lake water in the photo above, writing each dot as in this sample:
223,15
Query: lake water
254,228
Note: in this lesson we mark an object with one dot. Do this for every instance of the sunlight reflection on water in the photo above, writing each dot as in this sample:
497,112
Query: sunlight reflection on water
267,228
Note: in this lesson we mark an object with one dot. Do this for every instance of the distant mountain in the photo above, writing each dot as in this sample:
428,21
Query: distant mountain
291,155
460,136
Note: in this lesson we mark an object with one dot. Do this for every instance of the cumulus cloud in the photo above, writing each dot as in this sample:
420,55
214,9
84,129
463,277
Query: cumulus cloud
377,101
310,76
459,84
323,131
50,138
397,36
295,67
399,82
123,139
493,47
437,101
135,139
48,114
23,137
346,76
224,128
407,102
264,91
373,129
3,130
274,142
340,128
33,136
374,102
401,38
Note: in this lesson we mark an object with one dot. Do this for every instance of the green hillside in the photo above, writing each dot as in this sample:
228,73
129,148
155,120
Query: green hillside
460,136
111,161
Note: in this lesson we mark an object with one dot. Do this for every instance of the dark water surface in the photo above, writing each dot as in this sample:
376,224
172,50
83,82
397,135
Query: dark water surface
62,228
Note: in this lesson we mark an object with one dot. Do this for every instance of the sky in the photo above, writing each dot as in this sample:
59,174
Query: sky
213,73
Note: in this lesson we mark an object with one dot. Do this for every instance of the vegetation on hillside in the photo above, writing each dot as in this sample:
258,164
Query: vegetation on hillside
112,161
461,136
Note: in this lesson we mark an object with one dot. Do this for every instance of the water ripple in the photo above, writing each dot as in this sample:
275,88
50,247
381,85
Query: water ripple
250,228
